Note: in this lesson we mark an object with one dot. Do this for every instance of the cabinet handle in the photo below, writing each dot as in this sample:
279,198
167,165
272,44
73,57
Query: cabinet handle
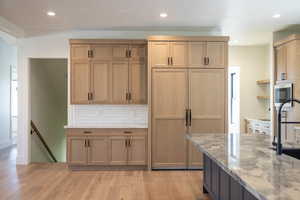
207,60
92,96
84,143
88,143
92,54
129,96
129,142
186,117
89,96
126,53
88,53
126,143
171,60
126,96
168,60
129,53
190,117
127,132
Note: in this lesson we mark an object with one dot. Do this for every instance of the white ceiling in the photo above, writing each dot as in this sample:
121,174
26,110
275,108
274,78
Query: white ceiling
241,19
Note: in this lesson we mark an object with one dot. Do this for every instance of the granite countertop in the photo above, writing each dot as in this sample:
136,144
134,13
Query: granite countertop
250,160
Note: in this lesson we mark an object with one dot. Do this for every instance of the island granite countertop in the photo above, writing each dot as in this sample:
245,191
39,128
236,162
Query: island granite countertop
250,160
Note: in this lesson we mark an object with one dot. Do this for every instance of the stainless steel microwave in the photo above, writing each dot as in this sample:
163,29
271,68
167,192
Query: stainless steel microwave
283,91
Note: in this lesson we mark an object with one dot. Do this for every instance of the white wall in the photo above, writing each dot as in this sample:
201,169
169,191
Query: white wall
57,46
254,63
8,57
49,107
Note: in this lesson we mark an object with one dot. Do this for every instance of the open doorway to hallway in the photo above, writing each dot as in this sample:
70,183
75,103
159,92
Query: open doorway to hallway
48,101
234,99
8,90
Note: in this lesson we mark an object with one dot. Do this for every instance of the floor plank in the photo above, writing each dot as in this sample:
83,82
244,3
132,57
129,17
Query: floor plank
47,181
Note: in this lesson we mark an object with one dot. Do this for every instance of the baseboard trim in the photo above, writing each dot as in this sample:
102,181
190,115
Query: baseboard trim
104,168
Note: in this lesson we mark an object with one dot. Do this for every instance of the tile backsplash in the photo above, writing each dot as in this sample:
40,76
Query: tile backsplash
108,115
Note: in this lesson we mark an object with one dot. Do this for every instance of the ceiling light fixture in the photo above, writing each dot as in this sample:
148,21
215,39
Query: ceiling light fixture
276,16
163,15
51,13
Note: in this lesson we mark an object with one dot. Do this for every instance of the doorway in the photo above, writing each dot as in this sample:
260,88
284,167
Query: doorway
48,105
234,99
13,103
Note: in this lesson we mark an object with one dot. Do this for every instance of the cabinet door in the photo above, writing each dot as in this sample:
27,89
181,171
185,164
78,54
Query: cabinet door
207,97
118,150
248,196
119,82
80,82
178,54
217,54
236,190
207,173
102,52
137,151
215,180
120,52
138,82
101,82
281,62
197,52
77,151
79,52
195,158
160,52
138,53
97,151
224,185
169,97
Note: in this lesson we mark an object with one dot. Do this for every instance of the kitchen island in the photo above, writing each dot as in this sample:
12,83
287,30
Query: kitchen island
244,167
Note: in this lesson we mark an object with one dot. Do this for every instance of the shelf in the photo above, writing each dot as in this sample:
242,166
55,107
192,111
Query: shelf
263,97
263,82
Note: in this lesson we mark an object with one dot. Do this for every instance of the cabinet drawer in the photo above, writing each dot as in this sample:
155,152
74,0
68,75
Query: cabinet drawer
105,131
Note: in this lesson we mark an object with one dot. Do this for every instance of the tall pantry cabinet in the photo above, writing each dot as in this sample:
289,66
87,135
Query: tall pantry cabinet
187,94
287,65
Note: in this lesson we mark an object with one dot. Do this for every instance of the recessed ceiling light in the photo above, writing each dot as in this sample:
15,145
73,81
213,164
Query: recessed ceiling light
276,16
163,15
51,13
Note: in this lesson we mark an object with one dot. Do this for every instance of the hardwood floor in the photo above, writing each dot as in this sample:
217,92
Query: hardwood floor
57,182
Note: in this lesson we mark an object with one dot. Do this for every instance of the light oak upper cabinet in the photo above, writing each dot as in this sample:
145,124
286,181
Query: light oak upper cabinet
169,102
208,54
197,54
106,72
216,54
160,52
169,54
101,82
120,82
178,54
80,52
80,82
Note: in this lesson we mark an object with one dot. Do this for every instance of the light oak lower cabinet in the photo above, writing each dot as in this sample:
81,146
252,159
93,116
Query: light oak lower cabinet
87,150
137,150
107,147
118,150
77,151
97,150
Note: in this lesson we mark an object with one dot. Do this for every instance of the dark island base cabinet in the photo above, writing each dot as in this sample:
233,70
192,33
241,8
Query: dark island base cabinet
220,185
